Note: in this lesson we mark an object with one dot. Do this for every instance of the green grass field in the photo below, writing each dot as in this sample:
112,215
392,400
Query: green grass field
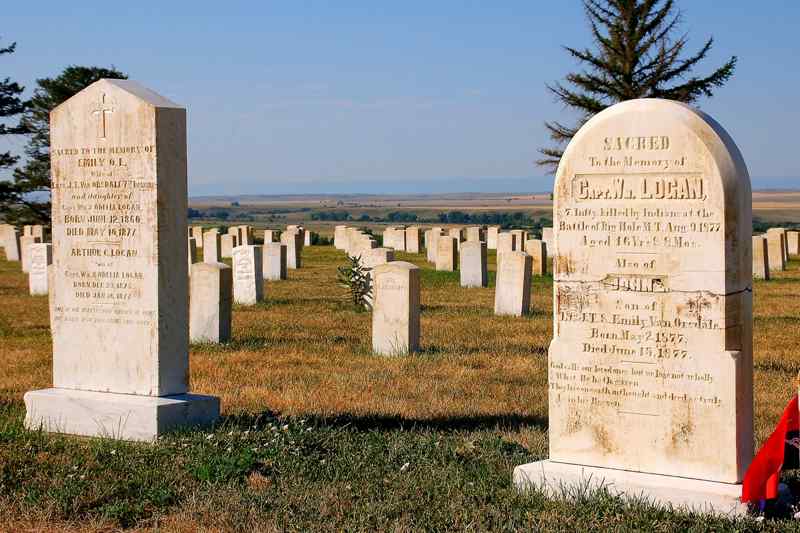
318,434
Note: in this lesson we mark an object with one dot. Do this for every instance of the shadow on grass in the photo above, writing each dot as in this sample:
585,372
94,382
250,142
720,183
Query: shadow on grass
508,422
255,343
437,350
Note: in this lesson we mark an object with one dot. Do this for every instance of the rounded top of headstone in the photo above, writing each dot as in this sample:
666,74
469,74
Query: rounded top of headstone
655,130
395,266
672,179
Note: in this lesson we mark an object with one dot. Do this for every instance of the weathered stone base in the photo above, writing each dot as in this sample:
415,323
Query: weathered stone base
558,479
117,416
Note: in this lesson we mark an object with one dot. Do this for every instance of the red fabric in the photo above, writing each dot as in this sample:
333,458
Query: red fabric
761,479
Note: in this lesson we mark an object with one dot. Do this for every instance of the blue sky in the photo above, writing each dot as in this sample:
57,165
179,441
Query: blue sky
413,96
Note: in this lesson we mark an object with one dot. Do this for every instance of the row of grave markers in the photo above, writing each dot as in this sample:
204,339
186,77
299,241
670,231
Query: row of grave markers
772,251
650,369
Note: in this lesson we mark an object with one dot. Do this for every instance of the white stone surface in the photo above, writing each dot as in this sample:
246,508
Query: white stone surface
650,367
491,237
212,247
472,268
760,257
413,239
458,234
520,236
340,237
271,235
196,233
512,293
549,241
24,242
117,416
793,242
776,249
41,256
9,241
211,301
474,234
120,277
34,231
446,253
274,261
432,244
506,242
245,235
294,247
537,249
372,258
248,274
683,493
396,308
227,243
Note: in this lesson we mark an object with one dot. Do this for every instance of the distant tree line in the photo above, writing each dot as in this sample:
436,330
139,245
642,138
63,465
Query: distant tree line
759,226
504,219
332,216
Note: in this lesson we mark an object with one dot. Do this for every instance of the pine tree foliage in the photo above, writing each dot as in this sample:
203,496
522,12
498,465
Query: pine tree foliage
638,54
26,200
357,279
11,106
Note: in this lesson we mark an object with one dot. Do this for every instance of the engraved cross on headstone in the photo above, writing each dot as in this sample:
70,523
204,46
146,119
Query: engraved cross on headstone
100,112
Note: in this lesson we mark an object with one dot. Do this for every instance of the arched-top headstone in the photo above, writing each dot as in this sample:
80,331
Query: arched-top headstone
650,367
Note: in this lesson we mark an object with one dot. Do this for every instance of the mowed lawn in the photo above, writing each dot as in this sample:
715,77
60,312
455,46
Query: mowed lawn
318,434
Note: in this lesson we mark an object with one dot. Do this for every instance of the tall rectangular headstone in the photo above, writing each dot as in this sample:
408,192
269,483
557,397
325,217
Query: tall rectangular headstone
226,245
520,236
512,293
294,246
413,237
274,261
472,267
506,242
9,240
372,258
41,256
248,274
396,308
458,235
650,368
547,237
793,242
211,302
196,233
432,244
538,251
446,253
245,235
24,243
760,257
491,237
271,235
120,280
340,237
474,234
776,249
212,247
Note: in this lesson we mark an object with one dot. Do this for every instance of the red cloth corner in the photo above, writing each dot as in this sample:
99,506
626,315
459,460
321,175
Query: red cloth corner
761,479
